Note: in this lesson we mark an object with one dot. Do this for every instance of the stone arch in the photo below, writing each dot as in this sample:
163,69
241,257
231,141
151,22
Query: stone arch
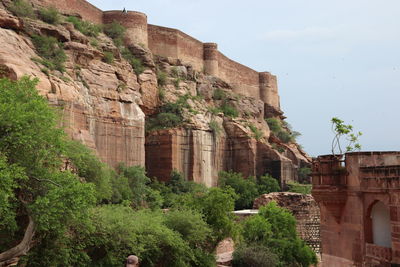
378,229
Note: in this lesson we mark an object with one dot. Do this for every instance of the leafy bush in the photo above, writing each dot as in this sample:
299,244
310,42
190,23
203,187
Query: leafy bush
91,169
254,256
161,94
214,110
119,232
22,8
136,63
267,184
274,124
161,78
275,228
51,51
304,174
246,189
108,57
257,133
219,94
50,15
190,225
217,206
170,116
87,28
286,135
295,187
229,110
215,128
115,31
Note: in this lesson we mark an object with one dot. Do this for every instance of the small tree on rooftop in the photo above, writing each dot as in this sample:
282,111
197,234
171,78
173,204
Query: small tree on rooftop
340,129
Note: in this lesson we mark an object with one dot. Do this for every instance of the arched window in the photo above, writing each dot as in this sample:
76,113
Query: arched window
380,224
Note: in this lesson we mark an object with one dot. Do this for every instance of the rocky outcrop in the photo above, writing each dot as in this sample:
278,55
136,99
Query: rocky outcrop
304,208
105,106
99,101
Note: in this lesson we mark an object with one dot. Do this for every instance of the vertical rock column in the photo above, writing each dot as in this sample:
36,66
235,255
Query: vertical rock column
134,22
211,58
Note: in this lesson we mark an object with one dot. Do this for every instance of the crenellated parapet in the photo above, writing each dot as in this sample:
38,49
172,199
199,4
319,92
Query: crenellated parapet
173,43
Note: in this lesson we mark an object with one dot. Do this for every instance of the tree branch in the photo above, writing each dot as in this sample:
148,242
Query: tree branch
47,180
22,248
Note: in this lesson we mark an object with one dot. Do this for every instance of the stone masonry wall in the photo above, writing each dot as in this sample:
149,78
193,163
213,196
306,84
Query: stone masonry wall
173,43
244,80
86,10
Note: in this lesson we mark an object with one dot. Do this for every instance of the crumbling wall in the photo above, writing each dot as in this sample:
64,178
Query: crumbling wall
304,209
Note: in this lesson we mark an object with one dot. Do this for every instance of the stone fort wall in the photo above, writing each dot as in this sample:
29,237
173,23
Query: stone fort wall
173,43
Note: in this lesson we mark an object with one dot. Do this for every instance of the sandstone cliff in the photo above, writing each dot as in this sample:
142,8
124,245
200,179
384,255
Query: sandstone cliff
107,106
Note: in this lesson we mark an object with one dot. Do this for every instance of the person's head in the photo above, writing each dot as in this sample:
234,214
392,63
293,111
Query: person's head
132,261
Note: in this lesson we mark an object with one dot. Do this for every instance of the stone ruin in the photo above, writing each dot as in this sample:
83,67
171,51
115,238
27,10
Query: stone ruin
304,209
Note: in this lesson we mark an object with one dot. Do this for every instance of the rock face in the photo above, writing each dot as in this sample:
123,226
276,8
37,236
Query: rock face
94,109
304,208
106,105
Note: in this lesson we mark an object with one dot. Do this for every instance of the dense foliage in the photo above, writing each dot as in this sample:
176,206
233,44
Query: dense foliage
22,8
87,214
51,51
85,27
282,130
275,229
247,189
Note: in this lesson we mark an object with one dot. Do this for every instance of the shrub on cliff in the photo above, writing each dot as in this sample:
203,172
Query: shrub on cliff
51,52
50,15
87,28
115,31
22,8
257,133
282,130
229,110
136,63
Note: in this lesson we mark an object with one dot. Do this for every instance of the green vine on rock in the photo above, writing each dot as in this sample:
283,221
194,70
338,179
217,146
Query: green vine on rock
340,129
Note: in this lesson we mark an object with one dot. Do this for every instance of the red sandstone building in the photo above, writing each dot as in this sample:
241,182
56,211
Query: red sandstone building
359,199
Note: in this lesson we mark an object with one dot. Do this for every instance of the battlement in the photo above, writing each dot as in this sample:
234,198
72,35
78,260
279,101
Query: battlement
173,43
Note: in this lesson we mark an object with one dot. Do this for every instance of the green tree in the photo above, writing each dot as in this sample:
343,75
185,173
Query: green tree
275,228
36,191
340,129
267,184
216,205
246,189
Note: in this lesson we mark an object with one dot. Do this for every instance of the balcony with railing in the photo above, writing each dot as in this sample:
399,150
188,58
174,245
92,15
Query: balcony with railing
379,253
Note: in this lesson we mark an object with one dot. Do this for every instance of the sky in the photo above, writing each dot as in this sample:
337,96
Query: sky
333,58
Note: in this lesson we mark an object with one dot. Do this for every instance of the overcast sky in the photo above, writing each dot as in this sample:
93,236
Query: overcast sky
332,58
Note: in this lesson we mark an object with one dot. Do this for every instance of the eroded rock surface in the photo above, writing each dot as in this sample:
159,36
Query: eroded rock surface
105,106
